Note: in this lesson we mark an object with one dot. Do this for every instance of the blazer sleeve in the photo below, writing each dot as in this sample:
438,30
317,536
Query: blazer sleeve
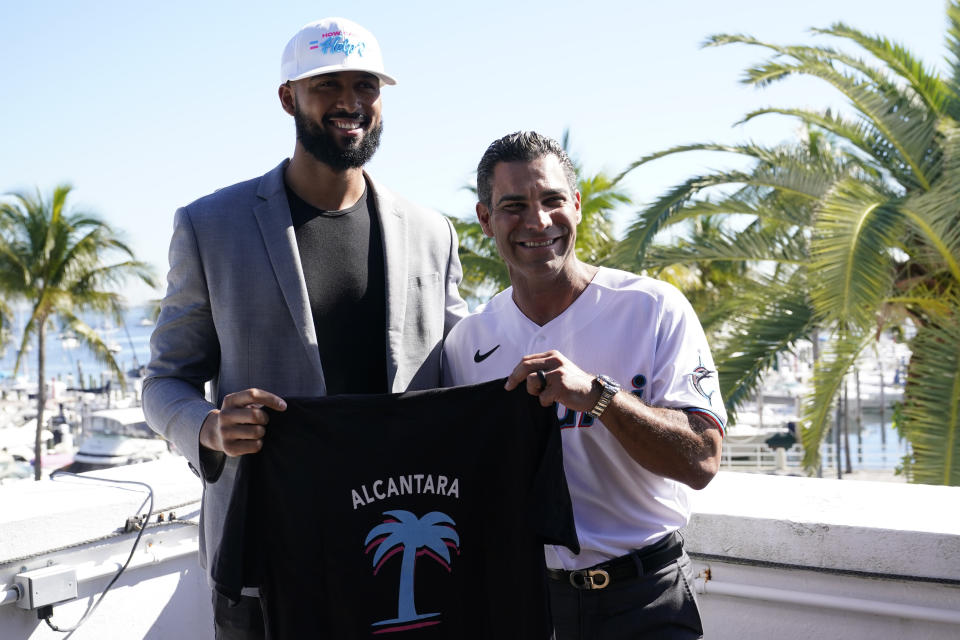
185,354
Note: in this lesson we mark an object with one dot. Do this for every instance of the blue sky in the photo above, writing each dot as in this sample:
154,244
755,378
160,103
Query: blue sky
144,107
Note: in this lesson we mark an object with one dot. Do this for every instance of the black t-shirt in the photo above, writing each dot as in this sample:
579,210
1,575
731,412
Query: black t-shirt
342,257
424,512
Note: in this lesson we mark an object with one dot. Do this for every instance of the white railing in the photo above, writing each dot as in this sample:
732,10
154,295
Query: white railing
760,457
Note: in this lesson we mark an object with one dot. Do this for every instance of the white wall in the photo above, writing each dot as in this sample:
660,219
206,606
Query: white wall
848,543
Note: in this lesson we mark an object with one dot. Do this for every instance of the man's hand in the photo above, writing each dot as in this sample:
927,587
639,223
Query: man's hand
237,428
668,442
563,381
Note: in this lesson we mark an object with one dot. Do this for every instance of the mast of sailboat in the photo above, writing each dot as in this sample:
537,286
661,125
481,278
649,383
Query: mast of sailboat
136,362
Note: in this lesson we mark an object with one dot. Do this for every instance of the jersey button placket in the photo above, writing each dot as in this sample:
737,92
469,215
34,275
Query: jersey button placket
536,343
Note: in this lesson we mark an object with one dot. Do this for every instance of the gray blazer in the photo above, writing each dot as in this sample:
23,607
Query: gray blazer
236,314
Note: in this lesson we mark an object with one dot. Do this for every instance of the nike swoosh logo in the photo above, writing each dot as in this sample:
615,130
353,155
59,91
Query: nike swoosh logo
478,357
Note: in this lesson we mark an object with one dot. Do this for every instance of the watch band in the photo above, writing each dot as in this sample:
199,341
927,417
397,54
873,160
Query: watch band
609,388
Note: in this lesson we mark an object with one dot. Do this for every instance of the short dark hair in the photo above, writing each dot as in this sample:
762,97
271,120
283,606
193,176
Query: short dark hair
522,146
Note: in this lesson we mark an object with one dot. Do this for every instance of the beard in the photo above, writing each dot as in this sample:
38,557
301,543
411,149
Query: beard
324,148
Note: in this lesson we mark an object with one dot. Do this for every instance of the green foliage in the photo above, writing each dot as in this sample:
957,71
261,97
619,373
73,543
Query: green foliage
55,260
850,230
484,273
931,408
781,317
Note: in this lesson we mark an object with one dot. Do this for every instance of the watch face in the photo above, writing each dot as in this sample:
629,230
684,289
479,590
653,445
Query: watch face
609,383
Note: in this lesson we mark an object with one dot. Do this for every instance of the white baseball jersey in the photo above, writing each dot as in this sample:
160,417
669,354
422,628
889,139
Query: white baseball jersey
645,335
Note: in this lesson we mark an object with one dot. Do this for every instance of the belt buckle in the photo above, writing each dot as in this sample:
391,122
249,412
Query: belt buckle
590,579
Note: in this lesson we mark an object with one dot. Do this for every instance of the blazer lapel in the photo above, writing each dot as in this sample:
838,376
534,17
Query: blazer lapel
393,224
279,238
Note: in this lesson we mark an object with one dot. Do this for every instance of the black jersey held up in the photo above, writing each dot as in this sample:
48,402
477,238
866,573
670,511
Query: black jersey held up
422,513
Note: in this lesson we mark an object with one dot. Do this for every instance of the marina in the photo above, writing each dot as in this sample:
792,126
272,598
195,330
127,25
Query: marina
79,388
875,447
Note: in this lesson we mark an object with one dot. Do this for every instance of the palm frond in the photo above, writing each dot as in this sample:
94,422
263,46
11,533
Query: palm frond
835,362
927,85
54,258
953,56
599,198
849,253
861,135
753,244
906,126
934,214
750,150
92,340
780,316
484,273
670,208
904,132
928,303
931,409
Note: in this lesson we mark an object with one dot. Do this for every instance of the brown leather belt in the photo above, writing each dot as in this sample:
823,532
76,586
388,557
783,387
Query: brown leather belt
637,563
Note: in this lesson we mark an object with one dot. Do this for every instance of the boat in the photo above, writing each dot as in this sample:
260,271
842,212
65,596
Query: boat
13,468
115,437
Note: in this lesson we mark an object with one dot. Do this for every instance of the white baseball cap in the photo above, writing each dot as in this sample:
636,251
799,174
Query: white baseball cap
331,45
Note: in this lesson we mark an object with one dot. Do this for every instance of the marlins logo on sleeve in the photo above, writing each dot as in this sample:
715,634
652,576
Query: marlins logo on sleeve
704,382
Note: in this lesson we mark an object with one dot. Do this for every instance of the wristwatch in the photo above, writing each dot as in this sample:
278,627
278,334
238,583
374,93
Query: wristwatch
609,388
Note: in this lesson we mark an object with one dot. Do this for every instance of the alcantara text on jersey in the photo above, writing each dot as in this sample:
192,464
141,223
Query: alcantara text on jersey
410,484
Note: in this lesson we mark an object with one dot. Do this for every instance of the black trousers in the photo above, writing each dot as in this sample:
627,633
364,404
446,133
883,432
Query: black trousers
660,605
243,621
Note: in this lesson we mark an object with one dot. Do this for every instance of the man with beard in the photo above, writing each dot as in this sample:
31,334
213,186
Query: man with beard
309,280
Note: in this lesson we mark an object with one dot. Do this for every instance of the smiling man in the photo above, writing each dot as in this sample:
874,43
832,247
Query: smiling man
639,430
310,280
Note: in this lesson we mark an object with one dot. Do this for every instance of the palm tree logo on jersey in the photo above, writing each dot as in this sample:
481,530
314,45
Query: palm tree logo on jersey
432,535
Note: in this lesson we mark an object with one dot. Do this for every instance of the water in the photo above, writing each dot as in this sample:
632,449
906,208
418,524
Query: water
871,453
63,354
868,453
134,351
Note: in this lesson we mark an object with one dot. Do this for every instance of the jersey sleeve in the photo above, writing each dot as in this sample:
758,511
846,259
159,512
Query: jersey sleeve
685,376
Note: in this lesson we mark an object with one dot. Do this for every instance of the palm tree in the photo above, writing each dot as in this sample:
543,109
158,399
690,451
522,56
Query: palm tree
55,260
856,229
751,279
433,533
6,317
600,196
484,273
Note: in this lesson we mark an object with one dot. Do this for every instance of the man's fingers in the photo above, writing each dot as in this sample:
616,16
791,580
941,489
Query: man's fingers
244,415
235,448
542,379
243,432
241,439
536,382
521,373
528,366
254,397
553,378
536,377
237,428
